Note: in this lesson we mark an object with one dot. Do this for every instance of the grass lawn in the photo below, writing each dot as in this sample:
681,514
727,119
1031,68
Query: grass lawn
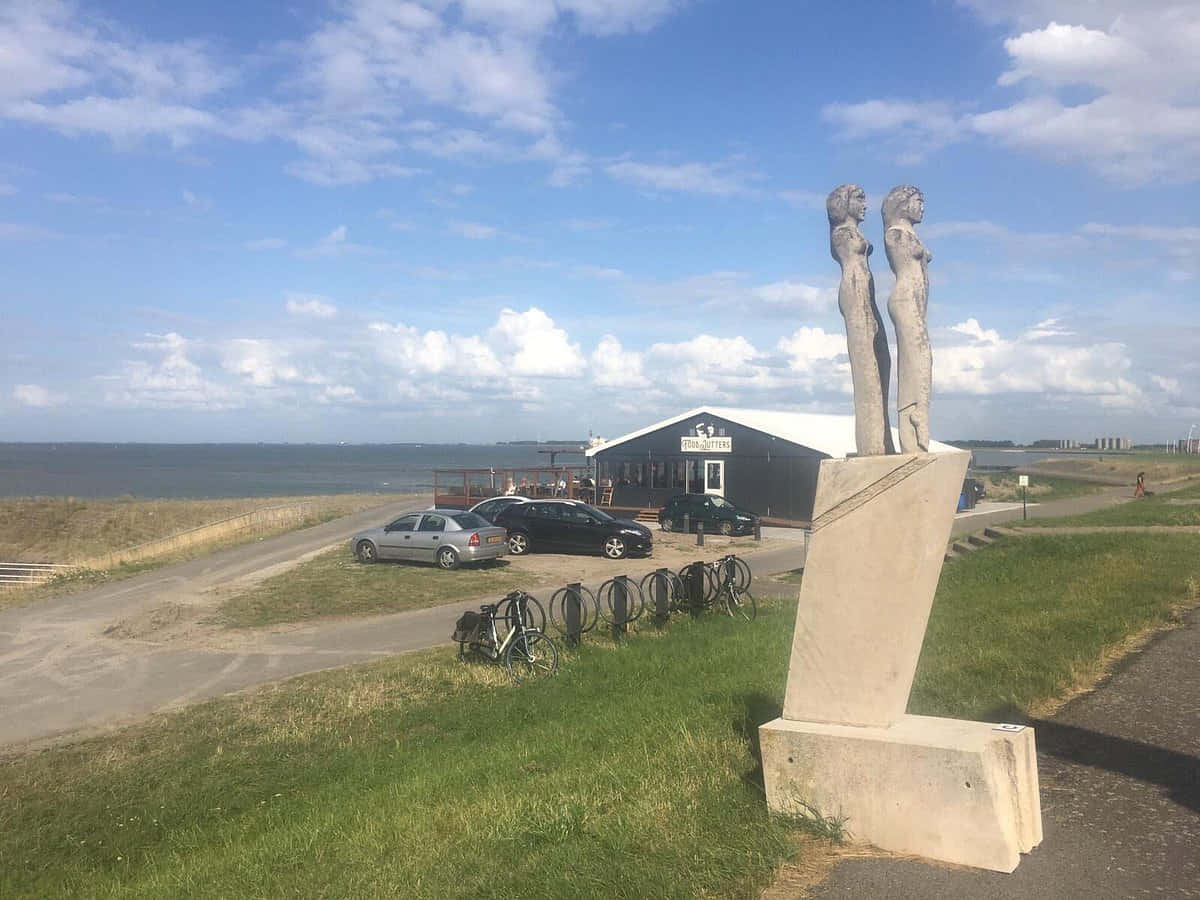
1156,465
336,584
1180,507
70,529
633,774
1002,486
67,528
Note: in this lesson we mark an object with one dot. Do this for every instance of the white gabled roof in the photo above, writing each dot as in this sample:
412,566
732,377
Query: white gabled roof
828,434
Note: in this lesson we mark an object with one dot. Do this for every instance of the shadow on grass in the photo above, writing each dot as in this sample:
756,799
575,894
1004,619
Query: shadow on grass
758,709
1178,773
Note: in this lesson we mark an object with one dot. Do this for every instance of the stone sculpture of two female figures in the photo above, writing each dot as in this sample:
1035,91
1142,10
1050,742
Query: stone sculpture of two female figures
870,362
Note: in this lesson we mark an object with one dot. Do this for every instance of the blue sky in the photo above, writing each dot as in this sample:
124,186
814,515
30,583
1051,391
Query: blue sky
493,219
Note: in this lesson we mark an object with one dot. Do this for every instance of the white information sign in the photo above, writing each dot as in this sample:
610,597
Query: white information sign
690,444
1023,481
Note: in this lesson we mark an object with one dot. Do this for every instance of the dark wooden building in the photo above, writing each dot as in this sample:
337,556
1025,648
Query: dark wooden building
762,460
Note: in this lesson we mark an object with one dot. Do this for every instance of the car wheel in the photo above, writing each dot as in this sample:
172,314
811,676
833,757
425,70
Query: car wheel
366,552
518,543
726,528
614,548
447,559
667,525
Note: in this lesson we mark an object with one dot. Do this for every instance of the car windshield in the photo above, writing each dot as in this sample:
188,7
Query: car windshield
722,503
599,514
468,520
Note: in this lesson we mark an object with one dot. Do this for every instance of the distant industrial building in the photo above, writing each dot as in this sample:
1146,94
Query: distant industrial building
1056,444
1113,443
1188,445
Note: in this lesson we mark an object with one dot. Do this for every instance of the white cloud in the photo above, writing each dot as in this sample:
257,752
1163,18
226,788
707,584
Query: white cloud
612,366
917,128
1138,121
173,380
197,202
335,243
534,345
261,362
363,88
972,329
310,306
36,396
714,179
1042,361
17,231
807,349
797,296
473,230
270,243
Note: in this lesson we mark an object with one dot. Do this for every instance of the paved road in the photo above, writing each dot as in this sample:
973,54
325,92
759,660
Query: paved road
60,672
1120,786
63,669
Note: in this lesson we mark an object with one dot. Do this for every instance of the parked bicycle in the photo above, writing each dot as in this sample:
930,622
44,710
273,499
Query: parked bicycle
713,575
504,633
726,582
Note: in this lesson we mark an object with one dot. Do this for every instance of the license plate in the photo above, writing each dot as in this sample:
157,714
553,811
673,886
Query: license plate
495,539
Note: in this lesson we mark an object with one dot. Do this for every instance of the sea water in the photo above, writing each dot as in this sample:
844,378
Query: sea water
246,470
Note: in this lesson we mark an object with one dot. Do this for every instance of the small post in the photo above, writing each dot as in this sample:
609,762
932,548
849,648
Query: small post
662,608
573,614
758,529
687,523
695,587
1024,507
700,533
620,605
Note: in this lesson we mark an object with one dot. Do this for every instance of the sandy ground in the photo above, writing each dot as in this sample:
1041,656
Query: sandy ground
183,619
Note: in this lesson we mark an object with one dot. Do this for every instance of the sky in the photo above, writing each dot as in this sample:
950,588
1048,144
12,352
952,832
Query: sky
488,220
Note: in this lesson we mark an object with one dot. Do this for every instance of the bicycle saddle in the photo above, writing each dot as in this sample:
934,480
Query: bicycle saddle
488,608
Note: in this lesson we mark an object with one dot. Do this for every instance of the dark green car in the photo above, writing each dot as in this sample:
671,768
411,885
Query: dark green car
717,514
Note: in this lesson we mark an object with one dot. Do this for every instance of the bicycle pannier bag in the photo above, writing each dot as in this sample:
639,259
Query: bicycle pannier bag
469,628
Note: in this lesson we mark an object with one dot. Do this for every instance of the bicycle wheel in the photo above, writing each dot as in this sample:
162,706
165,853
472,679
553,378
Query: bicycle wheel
606,600
507,618
741,572
706,589
531,656
588,610
739,603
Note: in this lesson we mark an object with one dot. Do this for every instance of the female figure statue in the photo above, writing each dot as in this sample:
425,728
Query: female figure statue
870,363
903,207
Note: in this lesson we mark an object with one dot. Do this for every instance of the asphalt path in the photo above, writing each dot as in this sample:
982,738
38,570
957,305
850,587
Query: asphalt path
1119,772
67,667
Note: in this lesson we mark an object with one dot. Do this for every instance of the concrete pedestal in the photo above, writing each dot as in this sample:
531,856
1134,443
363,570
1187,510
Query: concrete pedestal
958,791
962,792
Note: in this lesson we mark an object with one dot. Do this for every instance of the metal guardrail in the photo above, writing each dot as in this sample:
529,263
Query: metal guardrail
17,574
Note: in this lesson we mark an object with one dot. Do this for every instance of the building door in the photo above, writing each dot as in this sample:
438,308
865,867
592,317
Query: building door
714,477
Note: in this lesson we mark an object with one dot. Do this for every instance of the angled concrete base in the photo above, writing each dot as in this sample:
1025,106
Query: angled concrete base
962,792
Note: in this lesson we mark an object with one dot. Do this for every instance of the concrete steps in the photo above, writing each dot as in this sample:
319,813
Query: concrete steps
969,543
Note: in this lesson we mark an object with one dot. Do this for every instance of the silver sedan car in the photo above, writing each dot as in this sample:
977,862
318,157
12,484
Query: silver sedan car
446,537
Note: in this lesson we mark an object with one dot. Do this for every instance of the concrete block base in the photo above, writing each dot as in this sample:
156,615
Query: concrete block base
961,792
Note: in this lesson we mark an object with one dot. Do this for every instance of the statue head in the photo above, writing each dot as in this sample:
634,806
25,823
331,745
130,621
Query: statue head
903,202
846,201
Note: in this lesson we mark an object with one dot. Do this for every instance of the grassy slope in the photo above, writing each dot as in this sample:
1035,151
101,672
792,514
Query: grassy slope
1003,486
1157,466
1157,510
335,584
633,774
67,529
